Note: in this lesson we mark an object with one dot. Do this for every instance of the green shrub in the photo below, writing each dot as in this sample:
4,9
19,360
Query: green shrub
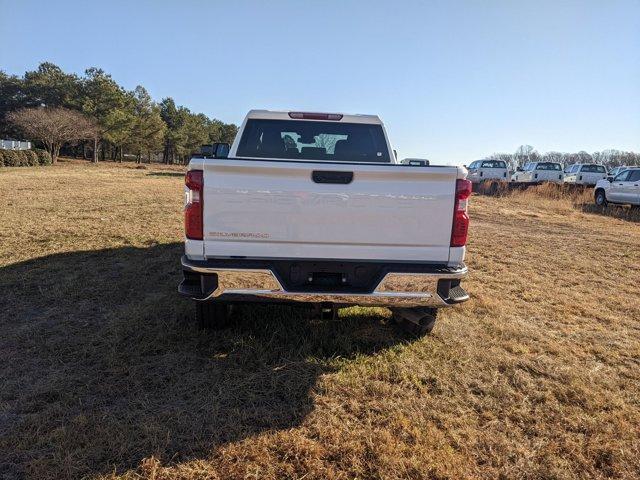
22,158
11,158
31,158
44,157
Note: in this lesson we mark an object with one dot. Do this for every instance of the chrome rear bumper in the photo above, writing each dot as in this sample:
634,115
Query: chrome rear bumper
400,289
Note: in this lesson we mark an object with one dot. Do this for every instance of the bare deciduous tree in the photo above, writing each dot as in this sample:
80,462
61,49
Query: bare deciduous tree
557,157
53,126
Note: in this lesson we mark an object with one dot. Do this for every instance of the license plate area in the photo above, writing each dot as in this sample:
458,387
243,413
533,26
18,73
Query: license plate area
334,277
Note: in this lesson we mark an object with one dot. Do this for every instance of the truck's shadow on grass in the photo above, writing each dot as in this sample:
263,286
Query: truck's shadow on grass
622,212
101,365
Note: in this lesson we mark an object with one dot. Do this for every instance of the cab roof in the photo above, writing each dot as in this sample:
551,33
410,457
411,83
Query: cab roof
313,116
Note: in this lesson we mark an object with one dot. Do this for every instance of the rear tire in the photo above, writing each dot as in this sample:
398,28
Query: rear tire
418,321
601,198
212,315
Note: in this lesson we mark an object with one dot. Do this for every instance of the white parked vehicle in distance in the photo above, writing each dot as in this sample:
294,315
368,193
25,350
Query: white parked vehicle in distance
616,170
314,208
624,188
538,172
585,173
481,170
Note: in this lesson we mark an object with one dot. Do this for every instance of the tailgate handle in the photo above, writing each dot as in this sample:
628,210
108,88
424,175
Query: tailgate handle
327,176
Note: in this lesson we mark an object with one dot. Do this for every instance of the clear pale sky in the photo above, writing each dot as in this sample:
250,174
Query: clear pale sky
453,80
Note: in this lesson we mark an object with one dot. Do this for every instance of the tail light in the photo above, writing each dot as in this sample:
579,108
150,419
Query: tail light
194,181
460,216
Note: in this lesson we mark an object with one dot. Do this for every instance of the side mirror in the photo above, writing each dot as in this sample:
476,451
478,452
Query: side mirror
221,150
214,150
610,178
415,162
519,169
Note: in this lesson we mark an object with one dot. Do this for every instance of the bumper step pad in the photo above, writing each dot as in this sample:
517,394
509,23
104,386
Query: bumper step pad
458,294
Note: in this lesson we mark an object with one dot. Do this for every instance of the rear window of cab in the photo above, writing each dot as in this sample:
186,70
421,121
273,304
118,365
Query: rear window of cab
493,164
548,166
313,140
593,169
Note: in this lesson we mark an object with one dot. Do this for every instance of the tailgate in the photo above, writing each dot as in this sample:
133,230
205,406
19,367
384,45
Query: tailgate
275,209
494,172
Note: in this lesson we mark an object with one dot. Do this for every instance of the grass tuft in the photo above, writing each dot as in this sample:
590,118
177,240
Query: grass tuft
578,196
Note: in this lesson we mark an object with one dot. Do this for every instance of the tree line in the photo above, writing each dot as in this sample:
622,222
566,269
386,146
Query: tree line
94,117
526,153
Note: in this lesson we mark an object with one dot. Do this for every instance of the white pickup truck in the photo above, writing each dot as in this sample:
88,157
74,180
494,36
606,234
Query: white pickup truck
482,170
585,173
538,172
315,208
624,188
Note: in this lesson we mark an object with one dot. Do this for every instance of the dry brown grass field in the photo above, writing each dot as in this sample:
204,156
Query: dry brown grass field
103,374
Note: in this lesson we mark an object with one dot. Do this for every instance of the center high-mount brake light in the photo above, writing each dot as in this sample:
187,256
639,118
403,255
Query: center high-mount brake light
460,216
194,182
315,116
